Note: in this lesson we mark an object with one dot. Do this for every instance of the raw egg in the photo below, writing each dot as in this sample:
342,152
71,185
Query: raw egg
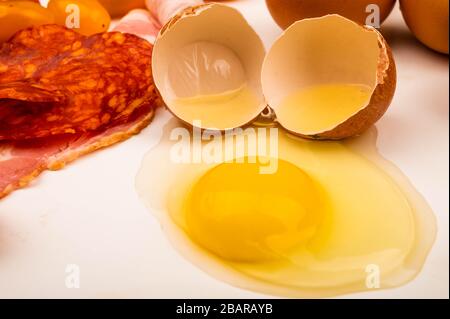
268,211
256,205
286,12
428,20
324,78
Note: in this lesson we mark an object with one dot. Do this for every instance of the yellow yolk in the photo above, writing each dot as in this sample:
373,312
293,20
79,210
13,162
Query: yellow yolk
333,218
239,214
321,108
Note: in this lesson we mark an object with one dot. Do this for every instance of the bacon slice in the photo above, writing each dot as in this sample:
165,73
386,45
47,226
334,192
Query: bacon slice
22,161
24,158
141,23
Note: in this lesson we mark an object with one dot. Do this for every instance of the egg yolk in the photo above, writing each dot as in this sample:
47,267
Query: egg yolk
241,215
334,218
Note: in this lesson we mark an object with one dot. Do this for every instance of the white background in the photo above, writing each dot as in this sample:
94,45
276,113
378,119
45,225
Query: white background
89,214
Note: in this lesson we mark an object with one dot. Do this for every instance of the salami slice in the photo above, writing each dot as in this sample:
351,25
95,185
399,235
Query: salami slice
65,83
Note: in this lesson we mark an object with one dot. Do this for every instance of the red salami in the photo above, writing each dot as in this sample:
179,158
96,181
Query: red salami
54,81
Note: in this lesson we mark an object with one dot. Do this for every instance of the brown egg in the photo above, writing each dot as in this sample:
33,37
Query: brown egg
285,12
428,20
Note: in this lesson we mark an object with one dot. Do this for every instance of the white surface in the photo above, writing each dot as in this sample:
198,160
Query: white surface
89,214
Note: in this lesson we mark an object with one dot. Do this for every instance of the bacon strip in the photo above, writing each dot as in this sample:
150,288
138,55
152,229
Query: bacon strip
22,161
141,23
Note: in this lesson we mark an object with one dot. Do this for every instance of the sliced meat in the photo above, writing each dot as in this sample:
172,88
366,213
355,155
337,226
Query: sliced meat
21,160
141,23
90,83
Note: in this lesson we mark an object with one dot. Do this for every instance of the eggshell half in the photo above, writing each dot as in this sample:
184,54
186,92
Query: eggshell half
216,24
331,49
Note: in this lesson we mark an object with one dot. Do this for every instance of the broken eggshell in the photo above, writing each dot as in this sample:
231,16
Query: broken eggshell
330,50
209,54
164,10
207,64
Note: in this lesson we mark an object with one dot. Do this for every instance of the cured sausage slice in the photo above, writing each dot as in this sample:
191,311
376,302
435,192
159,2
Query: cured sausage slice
54,81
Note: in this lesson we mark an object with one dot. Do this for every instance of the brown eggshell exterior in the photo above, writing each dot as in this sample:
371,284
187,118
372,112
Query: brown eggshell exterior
286,12
429,22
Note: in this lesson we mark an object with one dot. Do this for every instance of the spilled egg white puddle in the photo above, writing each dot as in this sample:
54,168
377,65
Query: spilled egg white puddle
334,217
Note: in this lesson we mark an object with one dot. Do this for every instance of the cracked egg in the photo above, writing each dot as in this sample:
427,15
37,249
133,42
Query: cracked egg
325,78
207,64
328,217
329,78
